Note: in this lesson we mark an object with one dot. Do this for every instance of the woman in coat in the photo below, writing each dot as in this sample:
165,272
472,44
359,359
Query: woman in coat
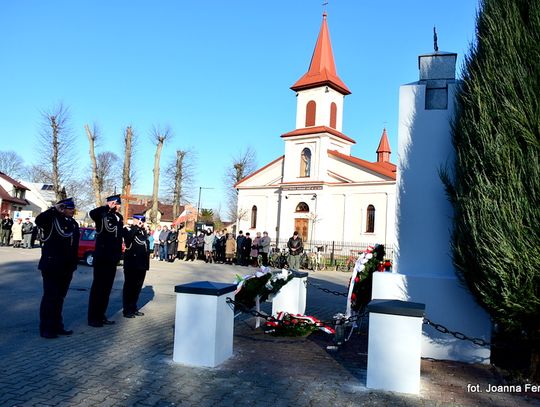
208,246
172,244
230,248
16,231
255,246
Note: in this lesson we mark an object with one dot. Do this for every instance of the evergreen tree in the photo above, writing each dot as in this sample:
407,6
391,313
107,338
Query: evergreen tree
495,188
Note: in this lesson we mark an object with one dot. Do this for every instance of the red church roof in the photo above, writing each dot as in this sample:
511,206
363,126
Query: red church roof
318,129
384,145
383,168
322,69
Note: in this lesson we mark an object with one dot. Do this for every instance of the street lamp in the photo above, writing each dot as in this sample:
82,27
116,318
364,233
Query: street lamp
199,202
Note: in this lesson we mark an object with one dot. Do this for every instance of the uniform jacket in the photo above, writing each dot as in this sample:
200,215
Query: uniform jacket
109,226
137,253
60,237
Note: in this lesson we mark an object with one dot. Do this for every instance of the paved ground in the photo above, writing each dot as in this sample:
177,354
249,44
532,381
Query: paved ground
130,363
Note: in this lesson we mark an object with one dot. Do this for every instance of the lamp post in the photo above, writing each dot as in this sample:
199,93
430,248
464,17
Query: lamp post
199,202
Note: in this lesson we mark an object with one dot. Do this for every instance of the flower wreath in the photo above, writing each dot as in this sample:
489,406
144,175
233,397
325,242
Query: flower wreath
286,324
263,283
368,262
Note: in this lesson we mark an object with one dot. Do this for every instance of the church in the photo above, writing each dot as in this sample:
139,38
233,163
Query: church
317,187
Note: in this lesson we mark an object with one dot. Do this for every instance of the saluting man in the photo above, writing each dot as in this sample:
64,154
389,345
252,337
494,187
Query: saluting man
109,224
60,237
136,262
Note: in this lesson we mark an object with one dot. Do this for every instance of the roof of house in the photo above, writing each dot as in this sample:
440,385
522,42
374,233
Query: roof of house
166,210
322,69
383,168
16,184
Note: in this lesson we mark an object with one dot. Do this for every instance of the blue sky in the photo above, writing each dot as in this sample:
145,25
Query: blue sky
216,72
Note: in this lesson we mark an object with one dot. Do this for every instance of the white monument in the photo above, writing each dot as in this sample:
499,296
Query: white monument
424,271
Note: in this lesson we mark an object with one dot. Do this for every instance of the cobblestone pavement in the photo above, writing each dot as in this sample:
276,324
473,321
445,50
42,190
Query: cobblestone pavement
130,363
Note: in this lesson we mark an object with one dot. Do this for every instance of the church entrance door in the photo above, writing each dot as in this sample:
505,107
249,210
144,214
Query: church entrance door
301,225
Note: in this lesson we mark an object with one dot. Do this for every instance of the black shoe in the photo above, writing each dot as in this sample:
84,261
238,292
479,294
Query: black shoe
139,313
130,315
95,324
108,322
65,332
48,335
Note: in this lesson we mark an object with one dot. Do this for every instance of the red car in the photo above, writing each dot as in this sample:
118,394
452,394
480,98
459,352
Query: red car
87,245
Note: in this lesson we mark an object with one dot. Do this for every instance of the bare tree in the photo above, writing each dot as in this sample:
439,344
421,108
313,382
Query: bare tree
56,152
159,137
92,138
242,165
127,171
12,164
108,165
179,182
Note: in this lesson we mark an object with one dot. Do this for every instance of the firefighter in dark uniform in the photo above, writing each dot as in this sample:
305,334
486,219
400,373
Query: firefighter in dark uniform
109,224
136,262
60,237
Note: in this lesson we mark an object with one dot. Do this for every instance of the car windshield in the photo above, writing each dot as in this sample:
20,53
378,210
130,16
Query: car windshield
88,234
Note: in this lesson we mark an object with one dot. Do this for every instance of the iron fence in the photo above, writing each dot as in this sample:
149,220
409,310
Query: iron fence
332,252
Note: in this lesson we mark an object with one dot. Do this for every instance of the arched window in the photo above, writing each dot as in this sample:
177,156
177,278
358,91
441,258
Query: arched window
253,217
310,113
333,115
370,221
305,162
302,207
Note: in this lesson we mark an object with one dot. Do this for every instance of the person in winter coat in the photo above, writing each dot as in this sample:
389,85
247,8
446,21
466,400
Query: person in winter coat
57,263
191,248
16,231
255,249
182,241
6,225
136,263
230,248
109,224
163,238
172,244
156,234
208,246
265,248
296,248
246,250
27,229
239,244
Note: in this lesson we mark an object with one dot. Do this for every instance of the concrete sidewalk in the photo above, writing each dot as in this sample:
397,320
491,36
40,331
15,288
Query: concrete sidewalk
130,363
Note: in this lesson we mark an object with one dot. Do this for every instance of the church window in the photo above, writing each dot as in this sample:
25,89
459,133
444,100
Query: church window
370,221
305,162
333,115
302,207
254,217
310,113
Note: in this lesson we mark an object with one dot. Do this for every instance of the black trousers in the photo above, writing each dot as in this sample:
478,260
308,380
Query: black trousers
55,288
104,273
133,282
264,259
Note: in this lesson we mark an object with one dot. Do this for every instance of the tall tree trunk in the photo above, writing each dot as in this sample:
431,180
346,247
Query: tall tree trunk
126,174
155,190
55,171
178,183
95,178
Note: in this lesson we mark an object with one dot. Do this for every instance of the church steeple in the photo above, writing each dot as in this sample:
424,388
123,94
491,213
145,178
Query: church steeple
383,151
322,69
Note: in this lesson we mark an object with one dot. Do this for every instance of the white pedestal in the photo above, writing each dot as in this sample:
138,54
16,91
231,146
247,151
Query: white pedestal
394,345
292,296
204,324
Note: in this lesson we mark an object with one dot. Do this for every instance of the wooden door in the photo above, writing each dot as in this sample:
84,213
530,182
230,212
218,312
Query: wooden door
301,225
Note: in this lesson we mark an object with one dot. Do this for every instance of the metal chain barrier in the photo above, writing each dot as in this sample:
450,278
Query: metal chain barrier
326,290
456,334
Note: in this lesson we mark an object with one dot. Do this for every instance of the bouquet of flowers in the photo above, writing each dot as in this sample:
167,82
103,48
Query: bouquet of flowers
286,324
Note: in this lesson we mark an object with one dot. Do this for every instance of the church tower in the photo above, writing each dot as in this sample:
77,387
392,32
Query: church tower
319,116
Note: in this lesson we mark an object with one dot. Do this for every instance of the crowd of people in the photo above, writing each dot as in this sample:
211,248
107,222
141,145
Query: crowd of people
17,233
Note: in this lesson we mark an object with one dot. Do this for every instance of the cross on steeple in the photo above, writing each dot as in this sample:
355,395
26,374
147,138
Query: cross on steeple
324,7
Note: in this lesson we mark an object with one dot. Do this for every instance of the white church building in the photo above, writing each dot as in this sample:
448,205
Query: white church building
317,187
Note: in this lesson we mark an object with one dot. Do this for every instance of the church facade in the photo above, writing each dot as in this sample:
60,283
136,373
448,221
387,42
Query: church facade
317,187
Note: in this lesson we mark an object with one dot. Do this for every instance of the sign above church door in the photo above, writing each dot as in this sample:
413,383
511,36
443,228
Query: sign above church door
302,188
